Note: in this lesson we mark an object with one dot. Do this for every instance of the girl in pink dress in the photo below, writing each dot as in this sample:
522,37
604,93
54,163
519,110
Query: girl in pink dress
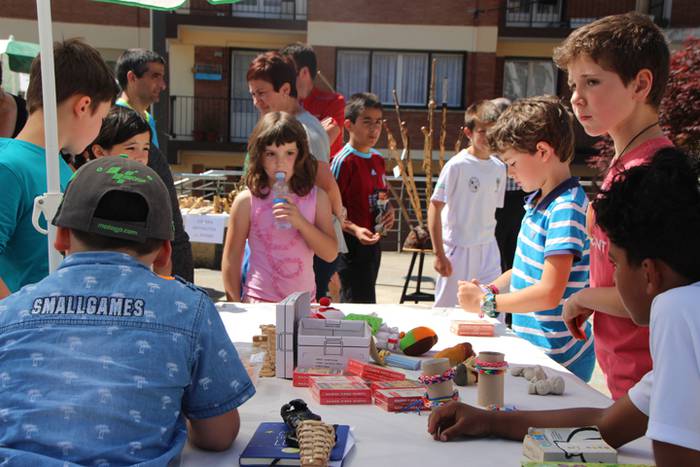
281,260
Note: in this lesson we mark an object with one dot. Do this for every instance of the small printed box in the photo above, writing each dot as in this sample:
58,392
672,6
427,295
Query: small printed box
402,384
372,372
472,327
302,375
340,390
558,444
397,400
330,343
289,312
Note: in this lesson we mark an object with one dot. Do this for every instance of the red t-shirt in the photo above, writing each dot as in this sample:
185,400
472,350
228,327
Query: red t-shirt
361,181
622,347
323,104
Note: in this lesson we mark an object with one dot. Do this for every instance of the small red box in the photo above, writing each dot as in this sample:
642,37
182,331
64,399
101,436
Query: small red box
372,372
301,375
402,384
472,328
396,400
340,390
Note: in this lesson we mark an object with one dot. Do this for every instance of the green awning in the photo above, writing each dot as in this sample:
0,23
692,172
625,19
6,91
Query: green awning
161,4
20,54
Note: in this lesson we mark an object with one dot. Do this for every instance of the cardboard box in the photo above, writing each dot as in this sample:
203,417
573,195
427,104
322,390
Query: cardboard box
583,444
289,311
472,327
331,343
372,372
340,390
402,384
302,375
397,400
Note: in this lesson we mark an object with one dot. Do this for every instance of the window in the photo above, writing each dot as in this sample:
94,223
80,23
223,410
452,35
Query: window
244,116
525,78
533,13
281,9
408,72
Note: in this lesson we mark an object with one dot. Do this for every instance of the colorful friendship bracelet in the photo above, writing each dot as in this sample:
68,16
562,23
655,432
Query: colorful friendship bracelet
490,368
438,401
448,375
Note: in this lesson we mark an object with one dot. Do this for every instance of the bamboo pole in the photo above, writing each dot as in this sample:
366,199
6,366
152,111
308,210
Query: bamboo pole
394,154
428,138
406,159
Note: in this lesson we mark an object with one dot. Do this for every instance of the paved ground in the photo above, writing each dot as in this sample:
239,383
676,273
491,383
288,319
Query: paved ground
392,274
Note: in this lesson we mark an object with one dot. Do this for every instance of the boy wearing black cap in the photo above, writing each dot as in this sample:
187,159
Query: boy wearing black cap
103,360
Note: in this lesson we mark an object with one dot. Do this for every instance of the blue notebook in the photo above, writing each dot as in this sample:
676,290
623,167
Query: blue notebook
268,446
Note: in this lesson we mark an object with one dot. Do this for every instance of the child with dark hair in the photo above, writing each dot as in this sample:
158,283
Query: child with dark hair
462,210
617,70
137,363
281,260
651,214
85,90
125,132
360,171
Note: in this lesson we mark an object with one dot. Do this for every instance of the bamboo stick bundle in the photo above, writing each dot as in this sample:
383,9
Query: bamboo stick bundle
460,137
428,138
406,159
394,154
443,134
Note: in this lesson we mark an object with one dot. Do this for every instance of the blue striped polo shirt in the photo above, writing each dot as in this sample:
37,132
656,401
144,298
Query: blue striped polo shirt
554,226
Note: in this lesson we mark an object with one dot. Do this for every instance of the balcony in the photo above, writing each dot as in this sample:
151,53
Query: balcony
269,14
211,122
556,18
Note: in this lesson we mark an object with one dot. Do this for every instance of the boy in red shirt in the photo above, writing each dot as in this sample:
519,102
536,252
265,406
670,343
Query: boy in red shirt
360,172
617,67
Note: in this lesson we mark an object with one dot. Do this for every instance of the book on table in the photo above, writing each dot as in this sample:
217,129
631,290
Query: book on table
268,446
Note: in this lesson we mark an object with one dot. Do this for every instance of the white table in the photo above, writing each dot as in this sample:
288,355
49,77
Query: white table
392,439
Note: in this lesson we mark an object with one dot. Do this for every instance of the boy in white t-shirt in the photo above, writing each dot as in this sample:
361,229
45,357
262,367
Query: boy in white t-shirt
651,214
462,210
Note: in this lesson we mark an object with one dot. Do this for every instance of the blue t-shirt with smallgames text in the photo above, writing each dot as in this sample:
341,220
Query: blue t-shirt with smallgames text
23,251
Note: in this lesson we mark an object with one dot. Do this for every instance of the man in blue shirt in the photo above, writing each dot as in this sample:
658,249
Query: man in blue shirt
141,75
103,361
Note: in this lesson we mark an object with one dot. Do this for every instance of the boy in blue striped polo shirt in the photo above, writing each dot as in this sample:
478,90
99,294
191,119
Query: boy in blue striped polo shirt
536,140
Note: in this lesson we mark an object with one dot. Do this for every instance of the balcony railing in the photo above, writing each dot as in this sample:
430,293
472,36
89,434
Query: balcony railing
214,119
569,14
292,10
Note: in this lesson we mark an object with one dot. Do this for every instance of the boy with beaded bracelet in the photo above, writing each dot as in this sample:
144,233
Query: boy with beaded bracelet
648,212
535,138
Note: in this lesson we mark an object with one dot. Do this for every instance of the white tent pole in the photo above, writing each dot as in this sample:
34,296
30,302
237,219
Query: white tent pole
48,85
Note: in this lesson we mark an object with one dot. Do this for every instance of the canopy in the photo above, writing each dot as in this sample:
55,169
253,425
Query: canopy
20,53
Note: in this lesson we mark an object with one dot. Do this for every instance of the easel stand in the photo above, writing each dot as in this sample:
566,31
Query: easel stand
416,296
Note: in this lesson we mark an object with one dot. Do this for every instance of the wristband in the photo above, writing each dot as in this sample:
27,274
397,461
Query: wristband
493,289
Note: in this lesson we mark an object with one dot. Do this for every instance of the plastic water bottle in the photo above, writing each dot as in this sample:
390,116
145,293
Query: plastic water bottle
280,189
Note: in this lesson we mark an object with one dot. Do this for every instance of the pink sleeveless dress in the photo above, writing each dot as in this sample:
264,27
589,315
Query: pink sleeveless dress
281,262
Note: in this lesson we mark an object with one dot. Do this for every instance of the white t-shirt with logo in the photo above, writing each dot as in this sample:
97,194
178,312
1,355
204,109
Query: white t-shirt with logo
472,189
670,394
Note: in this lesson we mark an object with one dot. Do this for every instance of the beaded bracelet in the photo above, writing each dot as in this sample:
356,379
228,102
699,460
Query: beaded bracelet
490,368
438,401
448,375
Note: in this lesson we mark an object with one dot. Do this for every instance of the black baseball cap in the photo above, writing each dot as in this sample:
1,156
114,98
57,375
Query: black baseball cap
116,176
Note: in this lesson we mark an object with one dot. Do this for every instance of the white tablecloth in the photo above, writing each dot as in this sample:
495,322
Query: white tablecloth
393,439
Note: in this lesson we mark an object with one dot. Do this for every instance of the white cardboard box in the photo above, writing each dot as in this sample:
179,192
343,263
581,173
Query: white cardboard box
332,342
582,444
289,312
